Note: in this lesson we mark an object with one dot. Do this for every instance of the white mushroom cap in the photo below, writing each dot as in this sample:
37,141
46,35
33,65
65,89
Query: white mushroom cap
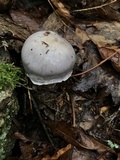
47,58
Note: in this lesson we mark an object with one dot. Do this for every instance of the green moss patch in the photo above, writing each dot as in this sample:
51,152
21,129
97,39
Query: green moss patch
10,76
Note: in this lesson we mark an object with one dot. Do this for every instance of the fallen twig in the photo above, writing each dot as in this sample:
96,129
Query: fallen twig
96,7
99,64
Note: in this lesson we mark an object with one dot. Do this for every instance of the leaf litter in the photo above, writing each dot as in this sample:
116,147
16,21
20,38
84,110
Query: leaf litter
90,100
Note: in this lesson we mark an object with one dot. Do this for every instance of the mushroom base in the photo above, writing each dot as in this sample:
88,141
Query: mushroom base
37,80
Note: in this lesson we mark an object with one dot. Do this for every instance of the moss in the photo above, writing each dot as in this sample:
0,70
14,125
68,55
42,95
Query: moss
10,76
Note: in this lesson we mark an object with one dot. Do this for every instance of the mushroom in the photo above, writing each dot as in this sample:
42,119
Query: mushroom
47,58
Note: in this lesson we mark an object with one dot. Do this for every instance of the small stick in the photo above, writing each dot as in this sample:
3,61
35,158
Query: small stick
99,64
96,7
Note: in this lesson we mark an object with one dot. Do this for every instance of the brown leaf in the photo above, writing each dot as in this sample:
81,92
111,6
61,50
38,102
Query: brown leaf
106,37
34,150
87,10
18,135
83,154
30,149
82,35
118,156
76,137
61,9
100,40
23,18
103,76
107,51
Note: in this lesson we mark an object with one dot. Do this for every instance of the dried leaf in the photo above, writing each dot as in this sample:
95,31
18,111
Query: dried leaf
107,51
100,40
104,35
23,18
76,137
18,135
87,10
83,154
61,9
103,77
118,156
82,35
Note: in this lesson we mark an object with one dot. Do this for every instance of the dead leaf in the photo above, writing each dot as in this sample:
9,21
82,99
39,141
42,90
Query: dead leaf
83,154
82,35
76,137
103,77
23,18
61,9
100,40
104,35
107,51
87,10
118,156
